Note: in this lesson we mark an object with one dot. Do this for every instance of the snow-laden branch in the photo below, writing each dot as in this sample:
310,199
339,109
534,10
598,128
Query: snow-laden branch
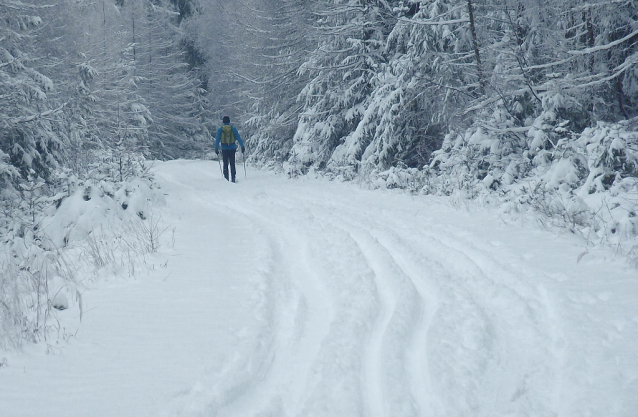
33,117
523,129
572,84
18,5
493,99
589,6
604,47
549,64
451,11
262,82
629,62
433,22
338,11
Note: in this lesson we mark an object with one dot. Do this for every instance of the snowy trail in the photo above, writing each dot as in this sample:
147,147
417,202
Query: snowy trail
311,298
391,313
382,307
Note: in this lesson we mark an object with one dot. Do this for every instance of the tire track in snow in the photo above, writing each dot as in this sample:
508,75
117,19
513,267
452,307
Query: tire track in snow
479,335
338,368
389,371
486,320
252,359
415,276
390,332
233,373
332,370
418,320
403,308
297,306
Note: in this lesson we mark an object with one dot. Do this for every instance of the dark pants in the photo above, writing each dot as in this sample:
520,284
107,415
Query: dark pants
229,157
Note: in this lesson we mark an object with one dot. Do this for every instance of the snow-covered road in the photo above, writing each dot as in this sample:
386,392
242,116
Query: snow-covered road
316,298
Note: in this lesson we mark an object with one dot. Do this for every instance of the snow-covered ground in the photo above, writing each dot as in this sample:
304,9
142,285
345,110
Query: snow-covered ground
314,298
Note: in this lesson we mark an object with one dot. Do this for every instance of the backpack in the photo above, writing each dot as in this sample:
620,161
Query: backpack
228,137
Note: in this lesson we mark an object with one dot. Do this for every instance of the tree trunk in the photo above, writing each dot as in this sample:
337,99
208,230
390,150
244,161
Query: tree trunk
477,54
589,38
621,97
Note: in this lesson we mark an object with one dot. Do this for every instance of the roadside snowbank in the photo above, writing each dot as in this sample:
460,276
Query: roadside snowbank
58,237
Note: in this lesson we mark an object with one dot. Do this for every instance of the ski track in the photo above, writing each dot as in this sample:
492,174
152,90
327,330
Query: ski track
383,315
355,308
475,337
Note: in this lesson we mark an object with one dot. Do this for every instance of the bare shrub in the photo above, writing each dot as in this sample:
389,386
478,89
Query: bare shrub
100,249
144,233
12,312
557,210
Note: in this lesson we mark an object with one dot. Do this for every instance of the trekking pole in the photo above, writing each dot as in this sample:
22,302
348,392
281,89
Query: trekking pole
244,154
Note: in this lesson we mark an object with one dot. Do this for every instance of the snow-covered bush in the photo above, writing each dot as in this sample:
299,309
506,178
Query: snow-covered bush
58,234
587,183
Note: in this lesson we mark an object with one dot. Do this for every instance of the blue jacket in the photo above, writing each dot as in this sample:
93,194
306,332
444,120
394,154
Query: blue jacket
226,147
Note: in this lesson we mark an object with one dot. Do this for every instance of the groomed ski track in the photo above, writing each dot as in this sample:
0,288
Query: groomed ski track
381,304
310,298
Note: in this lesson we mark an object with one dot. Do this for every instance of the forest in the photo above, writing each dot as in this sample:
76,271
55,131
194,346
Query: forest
529,105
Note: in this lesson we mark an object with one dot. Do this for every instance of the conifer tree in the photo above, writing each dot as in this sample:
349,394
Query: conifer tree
28,139
347,56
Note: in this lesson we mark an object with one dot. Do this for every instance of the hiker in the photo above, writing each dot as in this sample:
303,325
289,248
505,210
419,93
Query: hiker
228,135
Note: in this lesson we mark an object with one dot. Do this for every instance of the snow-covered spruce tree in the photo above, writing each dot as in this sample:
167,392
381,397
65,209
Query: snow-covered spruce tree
217,40
44,128
281,35
145,98
427,75
551,76
348,55
606,54
108,47
579,69
511,40
64,39
171,91
414,103
27,135
33,140
548,134
30,149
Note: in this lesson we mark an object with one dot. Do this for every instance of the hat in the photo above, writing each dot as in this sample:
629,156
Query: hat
226,119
